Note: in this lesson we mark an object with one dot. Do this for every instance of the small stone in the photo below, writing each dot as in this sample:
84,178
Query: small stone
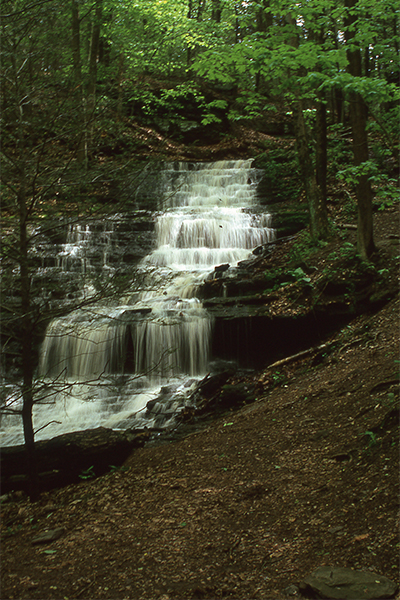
291,590
339,583
48,536
335,529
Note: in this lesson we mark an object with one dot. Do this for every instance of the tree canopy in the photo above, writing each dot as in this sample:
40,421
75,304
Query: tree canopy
74,72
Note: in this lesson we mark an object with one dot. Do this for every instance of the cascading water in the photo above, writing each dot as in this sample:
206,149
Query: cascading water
101,365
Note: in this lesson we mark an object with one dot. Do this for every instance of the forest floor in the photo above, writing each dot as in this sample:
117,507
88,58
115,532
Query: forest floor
251,502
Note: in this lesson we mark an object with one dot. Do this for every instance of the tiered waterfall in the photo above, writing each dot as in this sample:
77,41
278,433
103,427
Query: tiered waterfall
101,364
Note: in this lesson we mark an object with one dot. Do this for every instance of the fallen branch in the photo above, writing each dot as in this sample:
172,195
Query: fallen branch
351,344
301,354
347,226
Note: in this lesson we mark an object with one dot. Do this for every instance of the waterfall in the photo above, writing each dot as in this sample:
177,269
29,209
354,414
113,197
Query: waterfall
102,364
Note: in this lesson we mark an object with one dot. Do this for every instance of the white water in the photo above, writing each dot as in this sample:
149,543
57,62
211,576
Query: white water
102,364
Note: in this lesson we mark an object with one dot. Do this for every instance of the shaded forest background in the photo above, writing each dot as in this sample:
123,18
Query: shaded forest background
85,85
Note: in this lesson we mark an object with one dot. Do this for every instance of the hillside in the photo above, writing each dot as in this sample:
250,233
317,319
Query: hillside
247,502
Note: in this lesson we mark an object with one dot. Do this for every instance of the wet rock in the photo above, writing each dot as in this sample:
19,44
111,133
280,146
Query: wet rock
151,405
287,222
226,397
339,583
208,386
167,390
17,496
236,395
62,459
133,312
220,269
248,263
220,365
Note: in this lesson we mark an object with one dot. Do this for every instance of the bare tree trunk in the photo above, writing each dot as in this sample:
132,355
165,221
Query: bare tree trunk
25,323
120,101
321,148
317,207
26,342
358,118
81,152
263,23
338,100
92,78
316,203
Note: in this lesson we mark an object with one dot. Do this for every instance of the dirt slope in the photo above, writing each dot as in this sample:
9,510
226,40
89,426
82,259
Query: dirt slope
248,505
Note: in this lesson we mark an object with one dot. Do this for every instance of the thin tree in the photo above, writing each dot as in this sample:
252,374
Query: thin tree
40,148
359,120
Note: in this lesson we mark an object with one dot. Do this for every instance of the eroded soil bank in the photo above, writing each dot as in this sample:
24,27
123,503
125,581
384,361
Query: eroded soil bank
249,503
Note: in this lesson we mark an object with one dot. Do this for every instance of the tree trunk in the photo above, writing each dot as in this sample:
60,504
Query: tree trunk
92,78
264,21
81,151
321,148
358,118
26,342
237,25
339,105
317,207
200,9
120,101
25,323
263,18
321,138
319,226
216,10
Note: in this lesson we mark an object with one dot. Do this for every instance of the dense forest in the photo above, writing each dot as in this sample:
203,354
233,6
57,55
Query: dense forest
94,90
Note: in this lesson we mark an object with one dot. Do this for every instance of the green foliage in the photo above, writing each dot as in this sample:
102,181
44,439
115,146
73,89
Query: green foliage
174,104
384,187
339,149
250,104
372,439
11,531
390,400
281,277
352,174
278,378
281,173
347,250
87,473
387,193
210,116
373,90
300,276
114,469
304,246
